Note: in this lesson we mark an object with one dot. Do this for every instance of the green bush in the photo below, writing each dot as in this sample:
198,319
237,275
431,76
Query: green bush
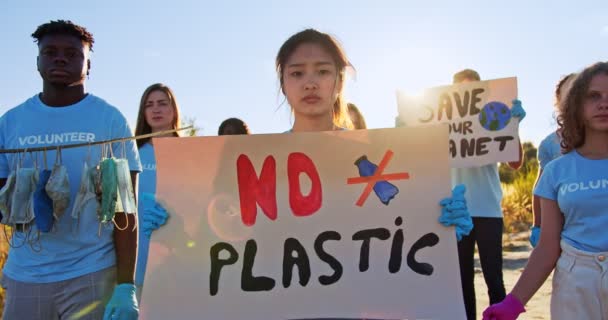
517,200
530,163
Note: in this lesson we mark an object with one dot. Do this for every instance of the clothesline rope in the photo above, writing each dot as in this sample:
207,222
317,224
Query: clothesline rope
85,144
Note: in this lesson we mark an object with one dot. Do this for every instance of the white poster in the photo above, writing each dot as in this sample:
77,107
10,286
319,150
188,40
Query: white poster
482,130
336,224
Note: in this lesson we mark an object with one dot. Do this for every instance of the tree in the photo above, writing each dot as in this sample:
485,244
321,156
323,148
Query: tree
530,164
190,122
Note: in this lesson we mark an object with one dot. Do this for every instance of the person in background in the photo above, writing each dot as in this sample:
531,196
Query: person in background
233,126
356,117
483,199
548,149
158,111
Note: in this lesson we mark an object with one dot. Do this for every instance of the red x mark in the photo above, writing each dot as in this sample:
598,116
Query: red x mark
378,176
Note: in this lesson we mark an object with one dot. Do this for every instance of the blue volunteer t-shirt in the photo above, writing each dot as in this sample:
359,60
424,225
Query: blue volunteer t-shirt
147,184
580,187
71,249
549,149
483,193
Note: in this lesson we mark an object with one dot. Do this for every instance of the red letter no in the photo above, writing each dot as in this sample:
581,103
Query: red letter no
254,190
303,205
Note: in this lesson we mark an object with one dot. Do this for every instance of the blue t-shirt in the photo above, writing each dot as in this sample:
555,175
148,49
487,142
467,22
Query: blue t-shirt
71,249
147,184
549,149
483,193
580,187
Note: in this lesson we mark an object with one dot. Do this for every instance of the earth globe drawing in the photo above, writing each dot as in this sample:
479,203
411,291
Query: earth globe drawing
495,116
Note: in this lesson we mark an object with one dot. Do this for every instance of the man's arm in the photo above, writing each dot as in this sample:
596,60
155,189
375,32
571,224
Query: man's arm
125,241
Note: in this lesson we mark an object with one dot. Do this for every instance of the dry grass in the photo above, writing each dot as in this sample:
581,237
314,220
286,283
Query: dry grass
517,202
3,255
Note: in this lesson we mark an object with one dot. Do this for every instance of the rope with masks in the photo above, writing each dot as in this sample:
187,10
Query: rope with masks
85,144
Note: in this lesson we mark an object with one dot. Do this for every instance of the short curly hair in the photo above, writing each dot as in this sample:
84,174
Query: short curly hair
65,27
466,74
239,125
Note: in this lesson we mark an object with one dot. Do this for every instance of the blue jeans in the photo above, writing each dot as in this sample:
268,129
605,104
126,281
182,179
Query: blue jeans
83,298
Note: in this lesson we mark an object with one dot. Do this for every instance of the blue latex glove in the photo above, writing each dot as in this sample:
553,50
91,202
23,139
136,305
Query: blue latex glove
517,111
534,236
454,212
154,215
123,304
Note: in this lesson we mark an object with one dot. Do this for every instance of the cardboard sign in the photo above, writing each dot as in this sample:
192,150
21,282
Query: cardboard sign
482,130
308,225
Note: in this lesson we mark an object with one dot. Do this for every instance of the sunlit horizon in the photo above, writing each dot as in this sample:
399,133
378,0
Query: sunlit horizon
219,57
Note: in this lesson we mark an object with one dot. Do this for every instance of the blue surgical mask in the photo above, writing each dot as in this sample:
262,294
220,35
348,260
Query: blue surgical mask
43,204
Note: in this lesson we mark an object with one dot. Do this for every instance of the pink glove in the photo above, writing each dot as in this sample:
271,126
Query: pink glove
509,309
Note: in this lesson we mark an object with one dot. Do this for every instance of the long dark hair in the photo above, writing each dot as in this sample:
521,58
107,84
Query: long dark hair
142,126
331,45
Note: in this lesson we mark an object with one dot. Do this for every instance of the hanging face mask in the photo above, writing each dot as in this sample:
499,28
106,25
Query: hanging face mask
95,181
6,194
86,192
22,209
109,190
125,186
58,187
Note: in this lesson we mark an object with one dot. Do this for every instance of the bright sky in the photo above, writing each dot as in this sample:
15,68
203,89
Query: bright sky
218,56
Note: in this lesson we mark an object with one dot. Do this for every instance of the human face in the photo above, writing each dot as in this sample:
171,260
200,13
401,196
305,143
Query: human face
159,111
63,60
311,82
595,104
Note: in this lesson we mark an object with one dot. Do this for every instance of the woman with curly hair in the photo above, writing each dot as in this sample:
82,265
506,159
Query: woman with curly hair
574,197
